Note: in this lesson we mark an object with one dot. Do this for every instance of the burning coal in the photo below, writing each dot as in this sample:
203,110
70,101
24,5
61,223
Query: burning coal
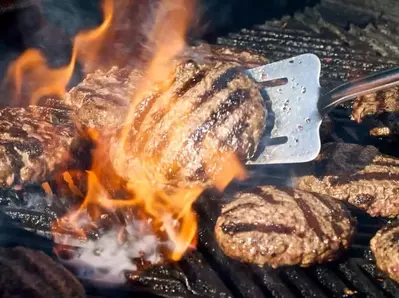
157,218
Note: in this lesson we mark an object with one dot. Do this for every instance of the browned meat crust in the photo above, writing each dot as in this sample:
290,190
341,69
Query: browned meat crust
281,226
29,273
102,99
207,106
36,140
35,143
360,175
385,247
380,110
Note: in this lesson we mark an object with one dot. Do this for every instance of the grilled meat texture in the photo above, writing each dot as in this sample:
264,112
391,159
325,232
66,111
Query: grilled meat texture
35,143
208,108
283,226
380,111
29,273
385,247
103,98
360,175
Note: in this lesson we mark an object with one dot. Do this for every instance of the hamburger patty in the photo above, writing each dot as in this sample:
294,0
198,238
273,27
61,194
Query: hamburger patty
208,108
282,226
103,97
385,247
360,175
380,110
35,143
29,273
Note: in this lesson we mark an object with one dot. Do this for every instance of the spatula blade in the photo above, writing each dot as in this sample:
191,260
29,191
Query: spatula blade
294,108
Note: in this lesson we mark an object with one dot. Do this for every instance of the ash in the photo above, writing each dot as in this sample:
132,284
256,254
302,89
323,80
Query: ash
107,259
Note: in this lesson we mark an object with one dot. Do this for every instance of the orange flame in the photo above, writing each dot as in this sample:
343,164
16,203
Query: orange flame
169,210
32,66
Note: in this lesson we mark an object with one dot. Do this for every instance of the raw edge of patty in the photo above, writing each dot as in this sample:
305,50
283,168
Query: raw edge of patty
35,143
282,226
385,247
358,174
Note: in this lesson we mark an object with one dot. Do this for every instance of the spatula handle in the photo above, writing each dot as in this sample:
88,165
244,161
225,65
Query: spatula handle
353,89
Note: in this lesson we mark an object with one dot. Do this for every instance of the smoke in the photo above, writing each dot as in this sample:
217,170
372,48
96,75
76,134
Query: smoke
106,259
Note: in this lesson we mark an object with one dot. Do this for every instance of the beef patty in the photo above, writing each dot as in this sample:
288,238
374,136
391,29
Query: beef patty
207,109
360,175
380,111
385,247
282,226
102,98
29,273
35,143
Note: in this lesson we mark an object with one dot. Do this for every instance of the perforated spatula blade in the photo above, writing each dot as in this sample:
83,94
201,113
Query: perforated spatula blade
298,107
295,135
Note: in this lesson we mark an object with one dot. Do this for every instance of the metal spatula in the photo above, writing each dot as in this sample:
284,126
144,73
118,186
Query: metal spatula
293,87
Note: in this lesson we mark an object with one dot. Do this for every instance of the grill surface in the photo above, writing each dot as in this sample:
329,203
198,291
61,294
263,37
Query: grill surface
352,38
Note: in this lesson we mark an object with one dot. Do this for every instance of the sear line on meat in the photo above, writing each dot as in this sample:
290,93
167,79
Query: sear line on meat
283,226
385,247
213,104
360,175
102,98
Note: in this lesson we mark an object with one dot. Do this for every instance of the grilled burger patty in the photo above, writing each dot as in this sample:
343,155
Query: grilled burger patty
208,108
29,273
385,247
102,98
282,226
360,175
381,110
35,142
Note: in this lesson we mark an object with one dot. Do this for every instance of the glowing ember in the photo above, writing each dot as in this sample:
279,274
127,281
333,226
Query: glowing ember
140,189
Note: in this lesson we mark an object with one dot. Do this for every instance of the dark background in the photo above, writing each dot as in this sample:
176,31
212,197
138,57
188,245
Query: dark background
51,26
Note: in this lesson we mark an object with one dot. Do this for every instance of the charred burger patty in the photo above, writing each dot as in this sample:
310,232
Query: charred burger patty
360,175
282,226
385,247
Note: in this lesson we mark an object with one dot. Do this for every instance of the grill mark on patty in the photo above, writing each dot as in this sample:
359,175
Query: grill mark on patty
191,83
241,206
265,196
172,101
232,229
336,181
311,219
218,84
338,216
222,112
237,131
395,237
289,191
